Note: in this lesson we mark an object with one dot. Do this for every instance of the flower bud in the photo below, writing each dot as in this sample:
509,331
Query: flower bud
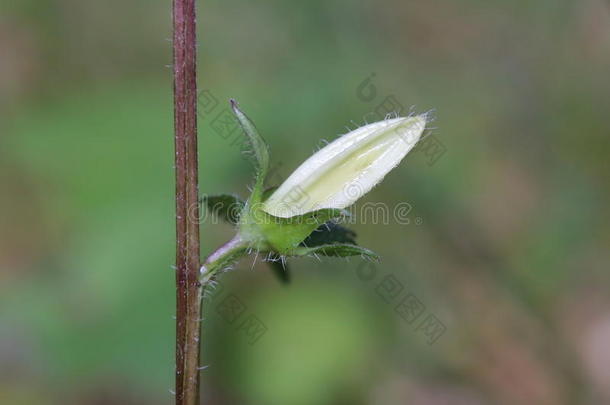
347,168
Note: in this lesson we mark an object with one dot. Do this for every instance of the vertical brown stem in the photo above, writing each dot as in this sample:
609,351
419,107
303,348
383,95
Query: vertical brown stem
188,289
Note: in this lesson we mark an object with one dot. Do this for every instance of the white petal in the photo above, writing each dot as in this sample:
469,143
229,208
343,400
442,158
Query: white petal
347,168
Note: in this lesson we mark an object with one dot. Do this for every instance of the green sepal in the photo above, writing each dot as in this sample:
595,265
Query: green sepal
227,207
330,232
336,250
260,149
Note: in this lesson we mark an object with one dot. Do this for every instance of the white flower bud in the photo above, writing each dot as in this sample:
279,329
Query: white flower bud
346,169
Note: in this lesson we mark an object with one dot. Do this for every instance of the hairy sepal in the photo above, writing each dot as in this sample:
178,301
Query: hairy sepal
336,250
260,149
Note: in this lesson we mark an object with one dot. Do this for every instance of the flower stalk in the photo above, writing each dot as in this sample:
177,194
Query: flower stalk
223,257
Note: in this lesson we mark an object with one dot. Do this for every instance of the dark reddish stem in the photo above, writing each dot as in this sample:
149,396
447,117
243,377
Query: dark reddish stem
188,289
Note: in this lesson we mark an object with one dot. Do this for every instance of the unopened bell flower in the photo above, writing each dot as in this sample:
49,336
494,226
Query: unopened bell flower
347,168
302,217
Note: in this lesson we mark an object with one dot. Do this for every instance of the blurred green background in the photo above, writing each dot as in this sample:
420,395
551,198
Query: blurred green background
505,254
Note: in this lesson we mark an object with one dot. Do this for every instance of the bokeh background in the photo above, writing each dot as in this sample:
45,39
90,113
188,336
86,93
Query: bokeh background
494,292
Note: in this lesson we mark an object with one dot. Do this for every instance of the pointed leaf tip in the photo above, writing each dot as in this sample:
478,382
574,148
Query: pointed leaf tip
337,250
258,145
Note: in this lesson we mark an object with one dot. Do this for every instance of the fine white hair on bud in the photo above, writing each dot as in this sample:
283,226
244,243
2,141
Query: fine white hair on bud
347,168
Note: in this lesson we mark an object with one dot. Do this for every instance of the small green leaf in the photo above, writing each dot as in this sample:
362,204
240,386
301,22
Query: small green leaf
260,149
336,250
227,207
280,269
330,232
